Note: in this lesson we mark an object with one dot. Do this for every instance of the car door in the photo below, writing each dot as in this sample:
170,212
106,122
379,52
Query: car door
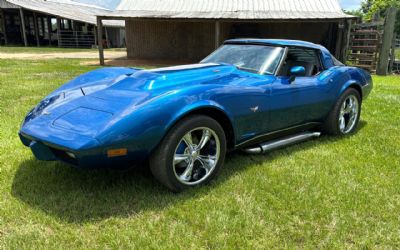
302,100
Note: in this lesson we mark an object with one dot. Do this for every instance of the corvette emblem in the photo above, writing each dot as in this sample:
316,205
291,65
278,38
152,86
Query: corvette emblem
254,109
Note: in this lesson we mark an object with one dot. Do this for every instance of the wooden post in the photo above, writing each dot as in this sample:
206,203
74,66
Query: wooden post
75,33
95,35
22,26
392,54
3,18
59,32
330,40
346,42
217,34
339,40
107,38
387,38
42,24
49,28
100,40
35,25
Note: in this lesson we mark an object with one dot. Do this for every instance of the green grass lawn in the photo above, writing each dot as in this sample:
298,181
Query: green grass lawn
326,193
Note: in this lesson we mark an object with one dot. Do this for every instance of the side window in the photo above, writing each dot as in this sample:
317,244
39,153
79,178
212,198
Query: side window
308,58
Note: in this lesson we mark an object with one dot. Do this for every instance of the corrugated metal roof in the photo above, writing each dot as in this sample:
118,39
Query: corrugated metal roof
230,9
6,5
68,9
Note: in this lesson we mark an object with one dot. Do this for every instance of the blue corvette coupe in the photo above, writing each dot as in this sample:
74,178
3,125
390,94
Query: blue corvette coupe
250,94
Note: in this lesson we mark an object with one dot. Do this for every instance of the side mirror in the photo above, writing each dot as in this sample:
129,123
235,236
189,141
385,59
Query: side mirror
296,71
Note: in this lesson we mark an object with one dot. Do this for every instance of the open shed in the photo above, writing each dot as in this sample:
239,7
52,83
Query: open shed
62,23
191,29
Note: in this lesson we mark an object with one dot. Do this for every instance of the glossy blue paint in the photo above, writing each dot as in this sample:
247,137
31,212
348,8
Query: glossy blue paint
113,108
298,71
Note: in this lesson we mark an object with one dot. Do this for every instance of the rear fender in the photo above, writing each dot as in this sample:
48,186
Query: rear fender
351,84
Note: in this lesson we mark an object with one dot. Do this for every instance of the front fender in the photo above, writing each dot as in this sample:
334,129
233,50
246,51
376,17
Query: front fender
147,125
193,107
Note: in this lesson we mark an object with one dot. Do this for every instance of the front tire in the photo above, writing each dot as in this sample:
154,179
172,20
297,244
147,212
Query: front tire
345,115
191,153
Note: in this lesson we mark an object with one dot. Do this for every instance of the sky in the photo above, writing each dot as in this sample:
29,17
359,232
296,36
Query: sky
111,4
350,4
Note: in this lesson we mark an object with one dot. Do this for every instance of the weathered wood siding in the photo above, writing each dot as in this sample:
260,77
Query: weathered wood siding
194,40
169,40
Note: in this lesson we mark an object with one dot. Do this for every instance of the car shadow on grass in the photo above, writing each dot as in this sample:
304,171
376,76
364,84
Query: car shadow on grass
78,196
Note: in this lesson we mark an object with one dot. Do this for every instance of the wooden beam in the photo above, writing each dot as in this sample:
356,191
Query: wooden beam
100,40
75,33
35,25
42,24
107,38
392,53
346,41
324,20
95,35
217,34
387,38
3,18
22,27
49,28
329,44
59,32
339,40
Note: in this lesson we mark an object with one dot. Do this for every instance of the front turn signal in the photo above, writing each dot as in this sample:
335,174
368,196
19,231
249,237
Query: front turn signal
117,152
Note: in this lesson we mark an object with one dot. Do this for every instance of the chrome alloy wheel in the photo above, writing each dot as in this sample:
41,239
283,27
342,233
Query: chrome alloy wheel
348,114
196,156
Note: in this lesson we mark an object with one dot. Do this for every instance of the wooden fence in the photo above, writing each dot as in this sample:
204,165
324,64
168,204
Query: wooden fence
372,45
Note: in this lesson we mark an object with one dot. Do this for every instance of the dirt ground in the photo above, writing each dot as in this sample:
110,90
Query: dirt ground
112,58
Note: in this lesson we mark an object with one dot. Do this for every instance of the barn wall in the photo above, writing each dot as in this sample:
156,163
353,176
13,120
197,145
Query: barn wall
307,31
194,40
169,40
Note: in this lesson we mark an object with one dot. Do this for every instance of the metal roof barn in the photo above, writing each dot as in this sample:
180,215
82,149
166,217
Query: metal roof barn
191,29
232,9
63,23
68,10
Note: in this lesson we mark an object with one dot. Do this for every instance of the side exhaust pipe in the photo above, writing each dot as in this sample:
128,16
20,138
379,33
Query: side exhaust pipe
274,144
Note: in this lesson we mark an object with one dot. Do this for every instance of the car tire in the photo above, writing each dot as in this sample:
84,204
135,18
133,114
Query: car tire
343,118
190,154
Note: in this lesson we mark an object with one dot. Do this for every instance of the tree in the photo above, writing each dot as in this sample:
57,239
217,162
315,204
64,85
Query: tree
357,13
369,7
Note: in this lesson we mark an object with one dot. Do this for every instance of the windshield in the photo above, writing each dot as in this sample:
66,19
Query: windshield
258,59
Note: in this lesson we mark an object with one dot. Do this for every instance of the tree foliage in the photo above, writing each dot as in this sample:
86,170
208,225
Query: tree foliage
369,7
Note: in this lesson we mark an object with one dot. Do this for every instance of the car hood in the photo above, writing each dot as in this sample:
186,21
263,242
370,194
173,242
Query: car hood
89,105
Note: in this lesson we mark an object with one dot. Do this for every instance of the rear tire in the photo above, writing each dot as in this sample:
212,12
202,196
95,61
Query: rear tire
190,154
344,117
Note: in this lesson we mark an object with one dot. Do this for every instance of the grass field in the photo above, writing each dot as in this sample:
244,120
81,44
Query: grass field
326,193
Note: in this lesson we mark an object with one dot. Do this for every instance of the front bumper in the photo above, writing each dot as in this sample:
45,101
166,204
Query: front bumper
90,158
47,151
